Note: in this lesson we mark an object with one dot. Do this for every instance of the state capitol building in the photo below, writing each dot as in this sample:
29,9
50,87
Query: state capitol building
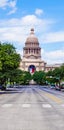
31,60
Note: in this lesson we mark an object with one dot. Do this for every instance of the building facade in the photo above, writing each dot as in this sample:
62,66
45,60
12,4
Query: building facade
31,60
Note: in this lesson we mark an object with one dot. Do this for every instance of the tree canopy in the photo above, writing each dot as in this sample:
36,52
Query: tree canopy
9,61
39,77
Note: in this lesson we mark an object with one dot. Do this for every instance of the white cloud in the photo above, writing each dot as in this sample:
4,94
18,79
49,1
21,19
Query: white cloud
54,37
17,30
12,34
3,3
12,3
8,3
52,57
39,12
12,11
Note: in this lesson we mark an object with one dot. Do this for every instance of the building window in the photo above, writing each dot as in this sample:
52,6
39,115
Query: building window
26,51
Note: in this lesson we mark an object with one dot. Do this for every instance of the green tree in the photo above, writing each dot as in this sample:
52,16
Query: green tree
62,72
20,77
39,77
9,61
56,75
25,77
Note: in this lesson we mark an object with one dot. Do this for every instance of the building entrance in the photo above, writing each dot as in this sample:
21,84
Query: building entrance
31,69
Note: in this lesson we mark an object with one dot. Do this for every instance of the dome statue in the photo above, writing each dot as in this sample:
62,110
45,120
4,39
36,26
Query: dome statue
32,38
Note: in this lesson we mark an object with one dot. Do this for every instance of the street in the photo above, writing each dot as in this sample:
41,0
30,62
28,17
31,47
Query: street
32,108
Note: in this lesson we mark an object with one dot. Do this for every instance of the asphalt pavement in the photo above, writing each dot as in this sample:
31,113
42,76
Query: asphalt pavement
31,108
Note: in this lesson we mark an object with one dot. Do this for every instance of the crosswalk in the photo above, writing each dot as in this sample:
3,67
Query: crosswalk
28,105
7,105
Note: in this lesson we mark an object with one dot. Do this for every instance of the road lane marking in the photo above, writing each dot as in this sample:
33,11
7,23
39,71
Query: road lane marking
46,106
26,105
6,105
54,98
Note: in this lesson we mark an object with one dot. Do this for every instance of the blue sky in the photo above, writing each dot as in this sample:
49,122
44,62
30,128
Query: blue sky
17,17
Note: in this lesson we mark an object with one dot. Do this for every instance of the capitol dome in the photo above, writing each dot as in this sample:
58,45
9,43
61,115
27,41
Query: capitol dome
32,38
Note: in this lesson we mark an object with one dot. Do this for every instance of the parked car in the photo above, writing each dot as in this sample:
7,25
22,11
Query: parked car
53,86
62,86
58,87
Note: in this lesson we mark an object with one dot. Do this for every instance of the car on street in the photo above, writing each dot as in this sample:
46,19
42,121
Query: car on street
58,87
52,86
